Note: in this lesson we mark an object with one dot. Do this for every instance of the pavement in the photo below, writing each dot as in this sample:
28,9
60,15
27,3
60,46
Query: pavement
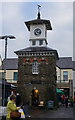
74,112
62,113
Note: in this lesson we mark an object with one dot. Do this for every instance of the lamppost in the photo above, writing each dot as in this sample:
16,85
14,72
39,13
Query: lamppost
5,38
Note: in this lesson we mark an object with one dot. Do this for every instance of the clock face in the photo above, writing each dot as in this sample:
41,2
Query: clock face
37,31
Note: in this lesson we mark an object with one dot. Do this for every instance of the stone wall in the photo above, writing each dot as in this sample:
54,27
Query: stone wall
44,81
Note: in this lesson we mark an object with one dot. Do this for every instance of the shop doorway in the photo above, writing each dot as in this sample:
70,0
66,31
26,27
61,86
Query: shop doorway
35,97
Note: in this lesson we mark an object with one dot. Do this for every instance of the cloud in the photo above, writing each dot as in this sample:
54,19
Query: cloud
13,24
60,14
37,0
61,37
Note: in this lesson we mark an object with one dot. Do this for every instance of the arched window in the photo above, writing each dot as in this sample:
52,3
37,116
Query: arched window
35,67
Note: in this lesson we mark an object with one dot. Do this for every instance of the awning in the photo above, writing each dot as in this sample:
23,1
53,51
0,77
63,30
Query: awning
59,91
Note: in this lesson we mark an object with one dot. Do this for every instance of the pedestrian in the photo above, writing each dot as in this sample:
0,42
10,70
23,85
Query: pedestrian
74,98
66,101
71,101
11,106
59,99
18,100
63,99
26,109
8,99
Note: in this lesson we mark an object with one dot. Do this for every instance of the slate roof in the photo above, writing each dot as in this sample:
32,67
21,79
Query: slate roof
37,49
0,62
10,64
65,63
34,49
74,65
62,63
39,21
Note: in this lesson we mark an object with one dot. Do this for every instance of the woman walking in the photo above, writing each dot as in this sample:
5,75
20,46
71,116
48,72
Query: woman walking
11,106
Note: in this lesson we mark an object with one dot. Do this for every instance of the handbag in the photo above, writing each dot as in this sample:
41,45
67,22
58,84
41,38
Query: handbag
15,114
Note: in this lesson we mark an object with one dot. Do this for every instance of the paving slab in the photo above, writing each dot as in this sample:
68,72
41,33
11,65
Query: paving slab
61,112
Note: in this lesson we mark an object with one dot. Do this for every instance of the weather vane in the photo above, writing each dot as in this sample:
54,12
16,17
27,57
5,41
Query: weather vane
38,11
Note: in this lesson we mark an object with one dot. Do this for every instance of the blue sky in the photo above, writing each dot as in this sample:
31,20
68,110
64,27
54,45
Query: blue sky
14,14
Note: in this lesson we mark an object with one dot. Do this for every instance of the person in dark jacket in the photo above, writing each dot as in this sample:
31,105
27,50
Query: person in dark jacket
71,101
66,101
26,109
18,100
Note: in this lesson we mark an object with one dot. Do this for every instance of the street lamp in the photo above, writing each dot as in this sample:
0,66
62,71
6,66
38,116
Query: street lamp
5,38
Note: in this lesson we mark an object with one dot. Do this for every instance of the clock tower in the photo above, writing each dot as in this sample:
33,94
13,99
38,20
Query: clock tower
38,31
37,65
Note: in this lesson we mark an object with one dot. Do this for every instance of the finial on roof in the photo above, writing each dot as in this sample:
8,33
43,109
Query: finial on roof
38,11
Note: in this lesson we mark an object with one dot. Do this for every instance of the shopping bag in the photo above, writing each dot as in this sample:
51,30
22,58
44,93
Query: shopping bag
22,113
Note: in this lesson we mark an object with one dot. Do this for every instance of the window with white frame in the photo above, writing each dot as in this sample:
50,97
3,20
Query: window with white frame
65,75
35,67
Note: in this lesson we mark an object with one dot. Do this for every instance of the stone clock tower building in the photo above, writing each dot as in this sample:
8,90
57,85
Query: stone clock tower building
37,65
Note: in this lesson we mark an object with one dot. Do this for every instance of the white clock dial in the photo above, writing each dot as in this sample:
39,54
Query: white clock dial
37,31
